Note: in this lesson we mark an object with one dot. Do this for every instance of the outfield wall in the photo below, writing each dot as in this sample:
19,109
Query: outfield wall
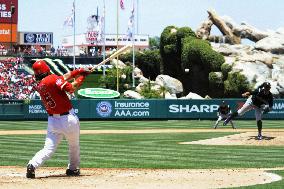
134,109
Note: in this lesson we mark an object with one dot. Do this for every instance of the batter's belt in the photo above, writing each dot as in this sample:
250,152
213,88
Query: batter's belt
64,113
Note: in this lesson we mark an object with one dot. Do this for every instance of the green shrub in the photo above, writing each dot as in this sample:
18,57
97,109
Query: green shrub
198,56
148,92
236,84
167,46
185,32
216,85
167,37
226,68
110,79
215,78
181,34
197,51
127,57
170,49
154,42
148,61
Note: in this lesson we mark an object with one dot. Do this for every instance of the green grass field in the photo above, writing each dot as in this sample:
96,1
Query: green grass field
153,150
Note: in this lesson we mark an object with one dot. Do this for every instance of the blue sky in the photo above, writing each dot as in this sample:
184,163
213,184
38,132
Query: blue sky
153,15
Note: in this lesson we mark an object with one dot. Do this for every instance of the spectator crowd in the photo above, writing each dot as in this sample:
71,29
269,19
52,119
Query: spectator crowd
37,50
3,50
42,51
15,83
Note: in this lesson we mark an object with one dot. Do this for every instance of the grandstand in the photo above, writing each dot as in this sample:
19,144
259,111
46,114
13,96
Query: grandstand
16,82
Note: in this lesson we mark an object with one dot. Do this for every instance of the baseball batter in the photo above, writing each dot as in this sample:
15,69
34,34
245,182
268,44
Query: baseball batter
62,121
261,100
223,113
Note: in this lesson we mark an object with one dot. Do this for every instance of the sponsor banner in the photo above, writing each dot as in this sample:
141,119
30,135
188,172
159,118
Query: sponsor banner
9,11
207,109
6,32
130,109
98,93
36,110
39,38
90,38
151,109
192,109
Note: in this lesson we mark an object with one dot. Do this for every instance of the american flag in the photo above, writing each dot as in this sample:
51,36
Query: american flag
68,21
131,23
121,4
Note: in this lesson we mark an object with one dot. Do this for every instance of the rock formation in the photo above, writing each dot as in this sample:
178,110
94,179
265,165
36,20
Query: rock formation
261,60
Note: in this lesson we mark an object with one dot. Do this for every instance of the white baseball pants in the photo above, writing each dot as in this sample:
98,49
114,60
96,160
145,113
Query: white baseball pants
249,106
67,126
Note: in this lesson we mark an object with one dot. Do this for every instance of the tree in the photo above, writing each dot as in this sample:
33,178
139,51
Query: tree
124,75
148,61
154,42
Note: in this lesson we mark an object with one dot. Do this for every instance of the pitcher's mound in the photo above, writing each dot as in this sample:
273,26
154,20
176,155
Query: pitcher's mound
14,177
248,138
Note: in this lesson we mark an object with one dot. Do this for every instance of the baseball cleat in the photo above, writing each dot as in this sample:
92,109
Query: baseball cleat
30,171
70,172
259,137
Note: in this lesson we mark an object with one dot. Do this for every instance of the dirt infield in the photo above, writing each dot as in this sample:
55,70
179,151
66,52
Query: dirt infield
247,138
14,177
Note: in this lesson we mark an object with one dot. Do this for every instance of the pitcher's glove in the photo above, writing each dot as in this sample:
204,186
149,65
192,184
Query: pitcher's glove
246,94
265,109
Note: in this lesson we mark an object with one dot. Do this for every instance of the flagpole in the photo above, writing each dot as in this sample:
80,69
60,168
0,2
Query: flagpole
104,39
137,7
133,61
117,27
133,51
74,31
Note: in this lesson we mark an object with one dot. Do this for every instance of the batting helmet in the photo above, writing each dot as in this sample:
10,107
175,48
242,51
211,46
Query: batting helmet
40,67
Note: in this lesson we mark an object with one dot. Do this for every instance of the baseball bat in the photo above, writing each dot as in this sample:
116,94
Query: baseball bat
115,54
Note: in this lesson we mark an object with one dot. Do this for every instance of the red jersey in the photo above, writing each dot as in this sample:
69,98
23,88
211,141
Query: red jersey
52,91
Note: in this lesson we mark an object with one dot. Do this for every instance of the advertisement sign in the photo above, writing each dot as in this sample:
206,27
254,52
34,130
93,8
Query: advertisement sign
121,109
36,110
192,108
92,36
9,11
39,38
5,33
98,93
151,109
110,40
